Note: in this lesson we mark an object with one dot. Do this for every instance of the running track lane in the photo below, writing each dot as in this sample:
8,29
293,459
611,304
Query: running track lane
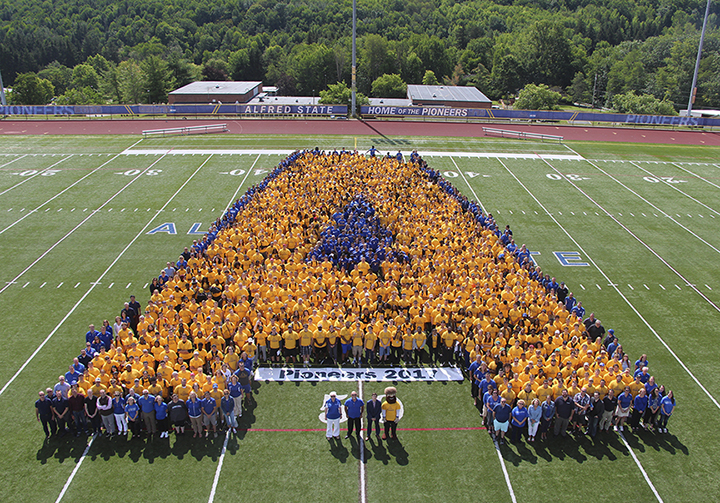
395,129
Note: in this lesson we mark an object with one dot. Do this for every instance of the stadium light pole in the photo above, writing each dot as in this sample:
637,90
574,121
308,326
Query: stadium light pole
353,79
693,88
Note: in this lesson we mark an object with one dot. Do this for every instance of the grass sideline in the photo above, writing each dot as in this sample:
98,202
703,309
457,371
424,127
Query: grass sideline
548,214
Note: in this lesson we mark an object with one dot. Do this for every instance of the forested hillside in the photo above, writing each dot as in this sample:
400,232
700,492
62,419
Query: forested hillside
133,51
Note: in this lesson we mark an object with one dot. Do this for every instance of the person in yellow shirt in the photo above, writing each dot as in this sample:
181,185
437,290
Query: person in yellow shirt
419,341
290,342
305,339
273,340
358,337
370,343
391,413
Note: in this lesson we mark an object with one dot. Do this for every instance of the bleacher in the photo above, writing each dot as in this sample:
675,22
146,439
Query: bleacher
186,130
520,135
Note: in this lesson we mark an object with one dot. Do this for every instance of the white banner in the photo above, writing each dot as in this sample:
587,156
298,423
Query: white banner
358,374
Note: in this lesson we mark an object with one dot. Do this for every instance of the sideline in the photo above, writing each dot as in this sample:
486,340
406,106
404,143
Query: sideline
61,192
505,472
36,174
642,470
75,470
97,282
220,464
92,213
614,286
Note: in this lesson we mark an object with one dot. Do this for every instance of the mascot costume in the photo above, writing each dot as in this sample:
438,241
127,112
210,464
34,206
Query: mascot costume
390,413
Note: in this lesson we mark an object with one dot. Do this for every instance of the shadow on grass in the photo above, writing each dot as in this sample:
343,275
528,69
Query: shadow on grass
385,451
642,439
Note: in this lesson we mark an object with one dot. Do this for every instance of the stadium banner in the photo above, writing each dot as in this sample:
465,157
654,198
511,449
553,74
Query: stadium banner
541,115
212,109
306,374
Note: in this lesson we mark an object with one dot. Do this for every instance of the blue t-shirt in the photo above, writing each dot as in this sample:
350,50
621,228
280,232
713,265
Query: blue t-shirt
666,405
502,413
160,410
235,389
208,405
354,407
118,405
132,411
333,409
147,404
625,400
519,416
640,403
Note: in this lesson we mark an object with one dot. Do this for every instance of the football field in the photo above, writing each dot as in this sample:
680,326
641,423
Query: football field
632,229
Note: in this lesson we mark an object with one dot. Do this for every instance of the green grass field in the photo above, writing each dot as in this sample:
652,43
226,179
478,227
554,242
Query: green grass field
642,222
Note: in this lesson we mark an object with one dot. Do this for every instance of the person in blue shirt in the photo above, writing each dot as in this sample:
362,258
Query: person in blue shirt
548,413
227,405
667,406
501,421
118,406
625,400
236,393
209,411
374,411
640,404
354,408
653,408
72,375
578,310
372,151
519,420
333,414
132,413
91,334
194,408
161,416
490,399
534,416
147,408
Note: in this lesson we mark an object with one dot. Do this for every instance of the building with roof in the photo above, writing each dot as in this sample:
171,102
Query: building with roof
204,92
447,96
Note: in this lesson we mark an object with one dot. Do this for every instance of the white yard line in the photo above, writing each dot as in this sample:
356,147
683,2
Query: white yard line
361,443
614,286
505,472
468,184
36,174
650,249
696,176
97,282
75,470
232,199
642,470
672,186
219,467
59,194
16,159
92,213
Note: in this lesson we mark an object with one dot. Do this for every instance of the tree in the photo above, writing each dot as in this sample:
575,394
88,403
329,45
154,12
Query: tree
505,76
85,76
157,79
238,63
534,97
130,78
389,86
59,75
29,89
646,104
429,79
80,96
217,70
341,94
579,91
412,70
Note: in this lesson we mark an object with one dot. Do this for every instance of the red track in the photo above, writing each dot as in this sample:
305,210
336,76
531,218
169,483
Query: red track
392,129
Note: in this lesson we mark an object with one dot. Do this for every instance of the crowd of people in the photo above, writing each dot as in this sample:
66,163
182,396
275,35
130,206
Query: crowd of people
339,258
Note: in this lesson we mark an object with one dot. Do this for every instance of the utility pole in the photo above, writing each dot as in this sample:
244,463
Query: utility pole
2,92
693,88
354,72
